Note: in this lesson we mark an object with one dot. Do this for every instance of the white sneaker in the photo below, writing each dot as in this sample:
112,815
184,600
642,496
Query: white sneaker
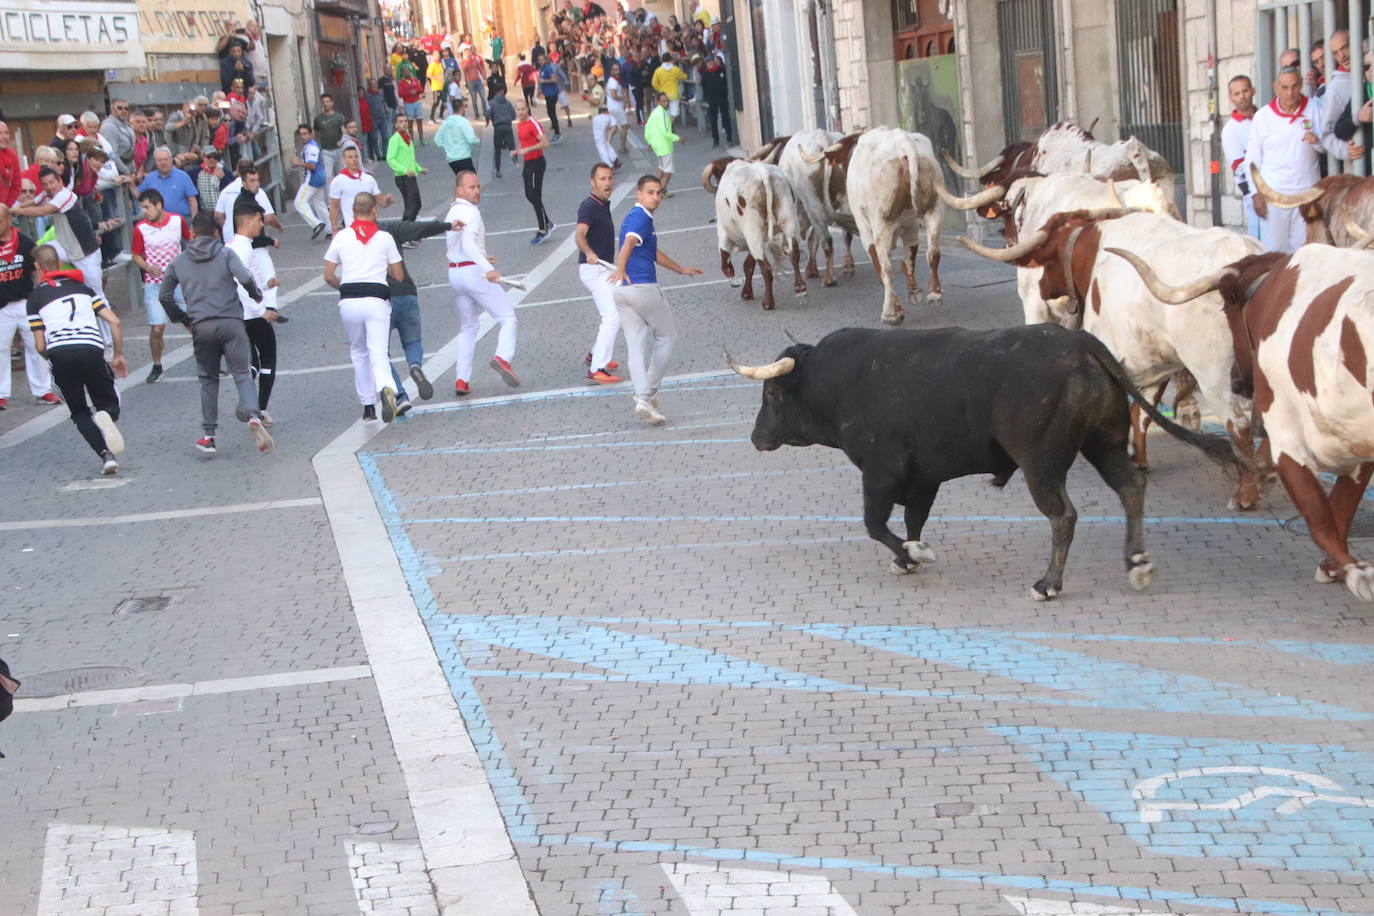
261,435
266,418
647,412
108,465
114,441
122,258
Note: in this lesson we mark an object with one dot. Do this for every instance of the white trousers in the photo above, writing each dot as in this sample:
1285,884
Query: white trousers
648,322
368,323
15,316
474,293
593,277
1283,229
310,205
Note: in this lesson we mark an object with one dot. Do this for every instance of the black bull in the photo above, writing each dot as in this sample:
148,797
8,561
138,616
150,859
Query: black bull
915,408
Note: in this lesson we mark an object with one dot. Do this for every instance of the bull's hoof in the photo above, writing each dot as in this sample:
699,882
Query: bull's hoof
1141,573
746,294
919,551
1040,592
894,318
736,282
830,281
800,293
768,305
812,272
1188,415
849,271
1359,578
1325,575
1243,500
915,296
897,569
935,300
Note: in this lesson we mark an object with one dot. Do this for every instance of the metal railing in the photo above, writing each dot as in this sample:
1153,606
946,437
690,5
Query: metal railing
1147,38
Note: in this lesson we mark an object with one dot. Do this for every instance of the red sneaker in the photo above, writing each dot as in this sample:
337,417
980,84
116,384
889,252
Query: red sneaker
50,399
4,404
504,370
611,365
461,388
602,377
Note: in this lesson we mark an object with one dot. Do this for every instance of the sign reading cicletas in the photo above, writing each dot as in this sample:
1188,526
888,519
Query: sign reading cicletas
61,34
187,26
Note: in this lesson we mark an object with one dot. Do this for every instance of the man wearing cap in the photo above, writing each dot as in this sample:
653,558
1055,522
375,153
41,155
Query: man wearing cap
210,179
66,130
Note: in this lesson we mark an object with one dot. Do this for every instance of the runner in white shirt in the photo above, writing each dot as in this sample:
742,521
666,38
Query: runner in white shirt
617,97
1235,135
258,317
250,183
347,185
476,285
1284,146
357,264
603,132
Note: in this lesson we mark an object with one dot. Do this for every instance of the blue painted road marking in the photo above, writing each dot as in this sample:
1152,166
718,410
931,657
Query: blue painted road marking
1298,806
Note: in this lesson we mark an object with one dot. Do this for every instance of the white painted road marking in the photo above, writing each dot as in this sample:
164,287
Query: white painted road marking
708,890
390,878
1036,906
119,695
88,869
234,508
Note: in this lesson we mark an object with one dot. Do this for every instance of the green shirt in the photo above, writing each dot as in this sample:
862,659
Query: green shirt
400,155
658,131
329,129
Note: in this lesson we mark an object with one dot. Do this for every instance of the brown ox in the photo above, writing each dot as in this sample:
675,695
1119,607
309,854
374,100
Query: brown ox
1338,210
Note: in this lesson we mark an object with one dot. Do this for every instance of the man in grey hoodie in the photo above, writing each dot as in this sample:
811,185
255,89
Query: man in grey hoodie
206,272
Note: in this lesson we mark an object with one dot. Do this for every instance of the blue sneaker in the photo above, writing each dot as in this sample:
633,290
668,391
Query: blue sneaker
538,238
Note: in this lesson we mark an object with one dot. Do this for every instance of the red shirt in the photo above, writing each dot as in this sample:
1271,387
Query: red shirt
9,176
527,133
364,115
410,89
525,74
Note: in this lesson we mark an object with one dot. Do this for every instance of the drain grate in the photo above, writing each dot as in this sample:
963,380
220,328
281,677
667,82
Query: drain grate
72,680
143,604
1361,527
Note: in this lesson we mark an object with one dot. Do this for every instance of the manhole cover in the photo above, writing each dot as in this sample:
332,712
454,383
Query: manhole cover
71,680
143,604
1361,527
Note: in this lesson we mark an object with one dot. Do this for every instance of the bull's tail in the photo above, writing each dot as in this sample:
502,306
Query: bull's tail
1217,448
913,163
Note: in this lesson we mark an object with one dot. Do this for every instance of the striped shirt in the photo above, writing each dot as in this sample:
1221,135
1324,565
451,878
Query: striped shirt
65,311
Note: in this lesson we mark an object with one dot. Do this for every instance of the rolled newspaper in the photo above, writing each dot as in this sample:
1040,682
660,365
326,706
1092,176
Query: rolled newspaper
514,283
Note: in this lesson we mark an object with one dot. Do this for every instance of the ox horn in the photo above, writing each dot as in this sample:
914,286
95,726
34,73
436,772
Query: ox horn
1174,295
762,153
790,339
710,176
813,158
1009,254
1278,199
762,373
1362,239
1111,192
981,199
969,173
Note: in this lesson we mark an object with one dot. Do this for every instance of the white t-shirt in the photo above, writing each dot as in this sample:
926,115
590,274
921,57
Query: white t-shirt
1286,161
359,263
225,205
345,187
612,87
1235,136
469,244
259,264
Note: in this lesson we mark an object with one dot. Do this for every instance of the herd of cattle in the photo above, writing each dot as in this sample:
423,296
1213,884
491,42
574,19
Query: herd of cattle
1272,344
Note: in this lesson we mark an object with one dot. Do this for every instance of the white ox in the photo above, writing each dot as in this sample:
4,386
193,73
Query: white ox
755,213
890,181
1303,326
1152,339
1066,147
817,184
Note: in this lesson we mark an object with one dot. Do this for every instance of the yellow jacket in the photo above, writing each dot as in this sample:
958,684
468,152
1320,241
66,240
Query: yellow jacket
435,72
668,79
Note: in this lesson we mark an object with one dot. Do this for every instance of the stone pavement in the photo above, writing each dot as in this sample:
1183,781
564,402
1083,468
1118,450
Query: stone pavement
672,673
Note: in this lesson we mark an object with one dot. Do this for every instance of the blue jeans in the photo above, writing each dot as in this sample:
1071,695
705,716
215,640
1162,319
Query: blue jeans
405,320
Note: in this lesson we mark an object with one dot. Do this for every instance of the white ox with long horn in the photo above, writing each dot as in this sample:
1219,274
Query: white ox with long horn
1067,148
814,182
890,181
1152,339
756,213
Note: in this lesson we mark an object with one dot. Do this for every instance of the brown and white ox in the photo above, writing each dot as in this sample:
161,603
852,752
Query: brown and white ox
1066,147
1338,209
890,178
1303,327
1152,339
812,179
757,214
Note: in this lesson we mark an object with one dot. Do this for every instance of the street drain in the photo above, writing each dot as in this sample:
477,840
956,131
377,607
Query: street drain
72,680
143,604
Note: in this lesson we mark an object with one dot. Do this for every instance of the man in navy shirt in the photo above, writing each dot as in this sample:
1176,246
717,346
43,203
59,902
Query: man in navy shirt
595,237
176,187
644,311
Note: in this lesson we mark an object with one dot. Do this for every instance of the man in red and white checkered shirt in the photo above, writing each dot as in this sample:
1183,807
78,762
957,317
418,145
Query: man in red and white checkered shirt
158,238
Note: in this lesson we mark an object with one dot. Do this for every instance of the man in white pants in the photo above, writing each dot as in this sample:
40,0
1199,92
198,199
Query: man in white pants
16,282
357,264
476,285
595,237
1283,147
309,201
644,311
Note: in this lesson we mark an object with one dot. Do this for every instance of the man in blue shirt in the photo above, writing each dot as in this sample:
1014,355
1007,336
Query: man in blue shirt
309,201
645,314
548,85
178,191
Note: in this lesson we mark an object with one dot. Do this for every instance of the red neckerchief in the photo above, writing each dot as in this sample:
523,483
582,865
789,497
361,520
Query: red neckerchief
10,246
405,136
365,229
354,175
1237,116
166,218
1274,107
52,276
213,171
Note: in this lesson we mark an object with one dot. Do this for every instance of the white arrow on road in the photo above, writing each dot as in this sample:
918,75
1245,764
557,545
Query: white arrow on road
1036,906
707,890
